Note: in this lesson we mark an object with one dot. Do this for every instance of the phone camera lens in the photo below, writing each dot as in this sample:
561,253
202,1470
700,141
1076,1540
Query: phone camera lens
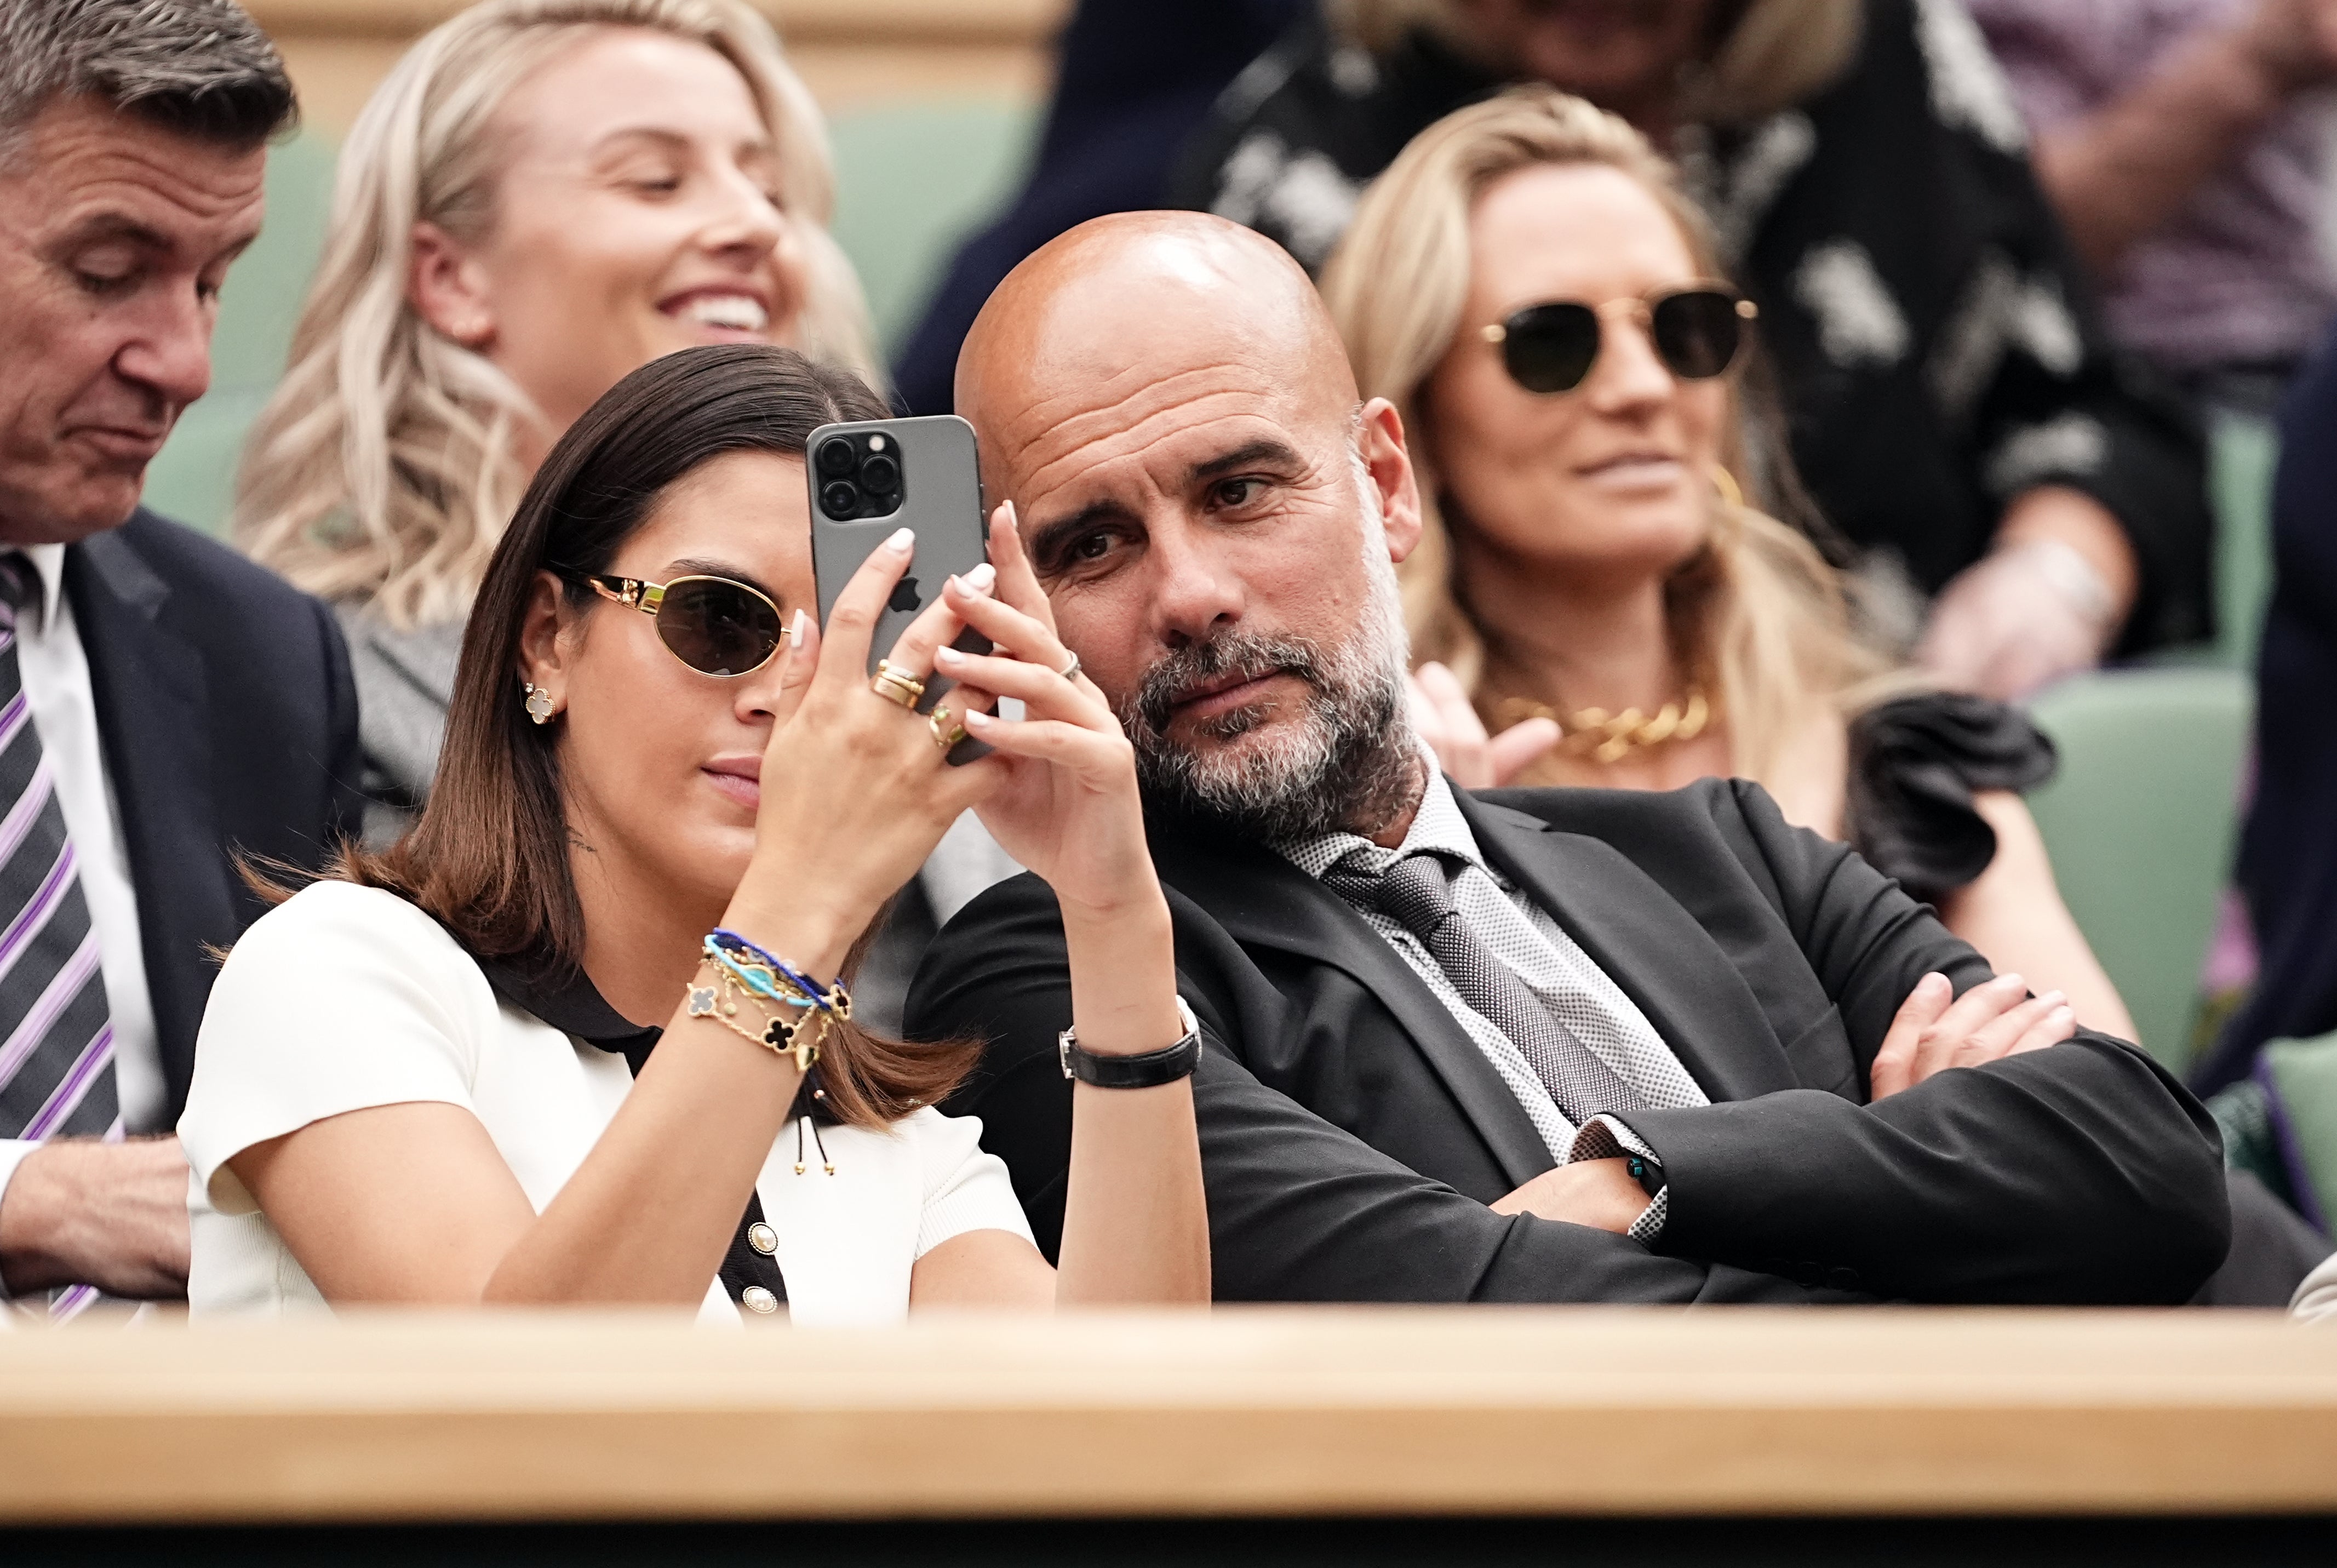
839,497
881,474
836,456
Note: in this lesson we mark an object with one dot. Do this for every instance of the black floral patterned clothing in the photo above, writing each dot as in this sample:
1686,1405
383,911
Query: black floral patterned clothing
1934,342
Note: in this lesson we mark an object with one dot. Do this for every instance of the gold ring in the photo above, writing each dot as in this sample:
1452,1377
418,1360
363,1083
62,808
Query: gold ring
896,685
947,731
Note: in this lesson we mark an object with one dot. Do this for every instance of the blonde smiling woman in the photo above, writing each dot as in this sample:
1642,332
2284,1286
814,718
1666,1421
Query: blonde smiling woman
543,196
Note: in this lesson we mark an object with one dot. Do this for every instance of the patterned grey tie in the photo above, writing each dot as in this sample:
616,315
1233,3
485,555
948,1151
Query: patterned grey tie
56,1039
1416,893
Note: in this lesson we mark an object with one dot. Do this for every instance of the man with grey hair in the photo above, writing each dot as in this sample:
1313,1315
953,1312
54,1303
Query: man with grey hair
164,705
1526,1045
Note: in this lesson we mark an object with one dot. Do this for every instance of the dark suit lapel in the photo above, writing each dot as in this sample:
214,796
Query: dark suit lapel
1646,943
1262,900
154,714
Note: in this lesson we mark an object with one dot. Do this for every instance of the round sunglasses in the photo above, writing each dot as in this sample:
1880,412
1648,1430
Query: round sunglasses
713,624
1697,332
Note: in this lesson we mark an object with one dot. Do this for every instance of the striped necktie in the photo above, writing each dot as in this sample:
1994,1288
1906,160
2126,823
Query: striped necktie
56,1039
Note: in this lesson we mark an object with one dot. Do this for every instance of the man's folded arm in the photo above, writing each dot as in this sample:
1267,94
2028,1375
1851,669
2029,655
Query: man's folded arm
2079,1173
1299,1209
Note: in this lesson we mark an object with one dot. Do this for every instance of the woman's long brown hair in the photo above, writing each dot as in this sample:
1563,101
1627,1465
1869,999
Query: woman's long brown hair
489,858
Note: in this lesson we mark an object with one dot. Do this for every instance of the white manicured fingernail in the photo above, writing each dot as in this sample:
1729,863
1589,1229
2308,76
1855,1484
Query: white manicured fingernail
981,577
795,631
949,656
901,540
975,719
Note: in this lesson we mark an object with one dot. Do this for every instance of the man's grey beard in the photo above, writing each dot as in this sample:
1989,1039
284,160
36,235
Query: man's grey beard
1348,762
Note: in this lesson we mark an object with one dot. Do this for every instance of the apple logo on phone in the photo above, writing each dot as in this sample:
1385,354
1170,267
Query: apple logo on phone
904,596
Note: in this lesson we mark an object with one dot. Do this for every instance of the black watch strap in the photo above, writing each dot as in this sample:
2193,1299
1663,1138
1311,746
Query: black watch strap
1148,1071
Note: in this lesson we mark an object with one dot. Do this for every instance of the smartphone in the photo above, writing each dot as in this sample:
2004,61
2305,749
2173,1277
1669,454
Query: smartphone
870,478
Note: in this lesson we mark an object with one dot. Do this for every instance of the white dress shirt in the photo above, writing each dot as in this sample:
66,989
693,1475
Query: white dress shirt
1552,965
64,710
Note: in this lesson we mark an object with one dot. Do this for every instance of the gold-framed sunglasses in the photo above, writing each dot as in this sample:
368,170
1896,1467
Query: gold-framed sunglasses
1696,331
716,625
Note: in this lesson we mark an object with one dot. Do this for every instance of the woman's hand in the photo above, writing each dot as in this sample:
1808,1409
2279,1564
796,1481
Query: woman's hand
855,789
2046,600
1442,716
1066,803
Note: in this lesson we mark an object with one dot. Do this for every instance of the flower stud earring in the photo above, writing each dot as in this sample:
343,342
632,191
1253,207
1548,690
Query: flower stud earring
539,701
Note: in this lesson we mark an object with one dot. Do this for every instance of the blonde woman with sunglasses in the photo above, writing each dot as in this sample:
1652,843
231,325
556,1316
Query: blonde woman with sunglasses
670,799
1599,599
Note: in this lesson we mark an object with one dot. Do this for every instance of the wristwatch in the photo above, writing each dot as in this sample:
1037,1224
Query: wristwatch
1148,1071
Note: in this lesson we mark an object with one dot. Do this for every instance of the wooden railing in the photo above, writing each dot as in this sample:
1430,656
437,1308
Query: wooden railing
1260,1412
850,51
922,21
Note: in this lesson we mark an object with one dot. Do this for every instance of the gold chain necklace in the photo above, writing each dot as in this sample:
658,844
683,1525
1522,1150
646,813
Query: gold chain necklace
1605,737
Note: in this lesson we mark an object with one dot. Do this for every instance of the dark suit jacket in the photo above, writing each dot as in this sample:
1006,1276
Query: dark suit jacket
1352,1134
228,723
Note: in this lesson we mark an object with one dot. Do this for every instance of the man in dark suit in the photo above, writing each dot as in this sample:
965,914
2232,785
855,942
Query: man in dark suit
1532,1045
164,704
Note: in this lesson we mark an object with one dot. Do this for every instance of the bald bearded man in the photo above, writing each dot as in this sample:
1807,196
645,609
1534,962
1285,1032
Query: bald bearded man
1516,1045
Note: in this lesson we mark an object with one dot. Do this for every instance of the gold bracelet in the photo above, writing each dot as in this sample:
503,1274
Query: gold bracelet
799,1037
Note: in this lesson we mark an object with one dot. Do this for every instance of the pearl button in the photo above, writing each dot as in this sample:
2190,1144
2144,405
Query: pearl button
762,1238
758,1299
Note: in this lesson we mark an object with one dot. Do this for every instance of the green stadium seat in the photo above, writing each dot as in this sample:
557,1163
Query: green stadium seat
2141,822
2304,1073
2242,449
194,478
912,180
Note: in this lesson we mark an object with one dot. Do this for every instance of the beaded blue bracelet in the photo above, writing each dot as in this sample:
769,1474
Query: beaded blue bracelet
777,964
831,998
757,979
754,978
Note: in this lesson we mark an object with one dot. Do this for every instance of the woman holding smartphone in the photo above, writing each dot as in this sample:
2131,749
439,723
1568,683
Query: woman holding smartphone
668,799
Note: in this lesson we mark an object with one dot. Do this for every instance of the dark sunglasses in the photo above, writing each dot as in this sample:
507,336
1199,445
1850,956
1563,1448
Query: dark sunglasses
1696,331
714,625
